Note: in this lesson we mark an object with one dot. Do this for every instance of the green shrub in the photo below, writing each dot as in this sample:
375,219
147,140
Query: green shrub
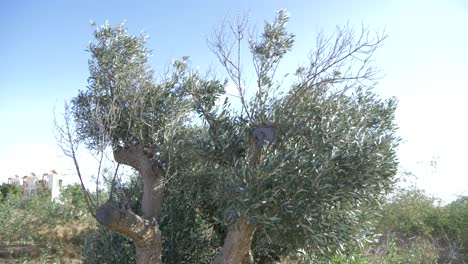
72,202
417,229
7,190
451,232
105,246
410,213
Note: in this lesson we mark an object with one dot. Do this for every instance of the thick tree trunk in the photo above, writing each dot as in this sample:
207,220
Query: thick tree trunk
143,231
236,248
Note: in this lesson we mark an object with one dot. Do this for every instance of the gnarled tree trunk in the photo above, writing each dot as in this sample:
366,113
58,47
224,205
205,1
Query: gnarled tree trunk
142,230
236,248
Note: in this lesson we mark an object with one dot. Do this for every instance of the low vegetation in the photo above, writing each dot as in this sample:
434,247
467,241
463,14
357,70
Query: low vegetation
413,227
39,229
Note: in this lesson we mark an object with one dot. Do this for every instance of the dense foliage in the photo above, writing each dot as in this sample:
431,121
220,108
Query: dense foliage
123,104
105,246
304,163
9,189
331,154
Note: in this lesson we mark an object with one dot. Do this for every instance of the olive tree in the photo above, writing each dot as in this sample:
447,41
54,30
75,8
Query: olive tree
294,167
290,169
124,109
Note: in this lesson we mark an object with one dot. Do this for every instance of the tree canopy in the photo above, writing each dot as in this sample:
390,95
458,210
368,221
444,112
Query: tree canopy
297,167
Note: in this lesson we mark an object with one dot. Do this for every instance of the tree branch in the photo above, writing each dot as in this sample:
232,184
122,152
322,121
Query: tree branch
143,232
68,144
139,157
218,45
330,57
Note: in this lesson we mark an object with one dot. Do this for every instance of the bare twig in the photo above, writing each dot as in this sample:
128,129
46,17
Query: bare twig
338,59
222,48
113,182
69,144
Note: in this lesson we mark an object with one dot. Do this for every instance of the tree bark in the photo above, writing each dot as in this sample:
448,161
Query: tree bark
143,231
236,248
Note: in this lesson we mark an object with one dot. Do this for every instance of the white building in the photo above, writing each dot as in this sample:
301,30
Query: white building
30,184
14,180
54,183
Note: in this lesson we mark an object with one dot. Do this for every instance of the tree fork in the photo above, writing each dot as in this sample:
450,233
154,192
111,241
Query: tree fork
140,158
148,250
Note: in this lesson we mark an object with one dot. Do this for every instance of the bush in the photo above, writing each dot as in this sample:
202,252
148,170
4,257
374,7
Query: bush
415,228
73,202
105,246
451,232
8,189
409,213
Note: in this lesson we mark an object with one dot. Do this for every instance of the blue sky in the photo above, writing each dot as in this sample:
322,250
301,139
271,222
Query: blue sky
424,59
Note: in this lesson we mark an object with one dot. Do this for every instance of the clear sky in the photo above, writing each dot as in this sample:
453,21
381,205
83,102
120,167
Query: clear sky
425,62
